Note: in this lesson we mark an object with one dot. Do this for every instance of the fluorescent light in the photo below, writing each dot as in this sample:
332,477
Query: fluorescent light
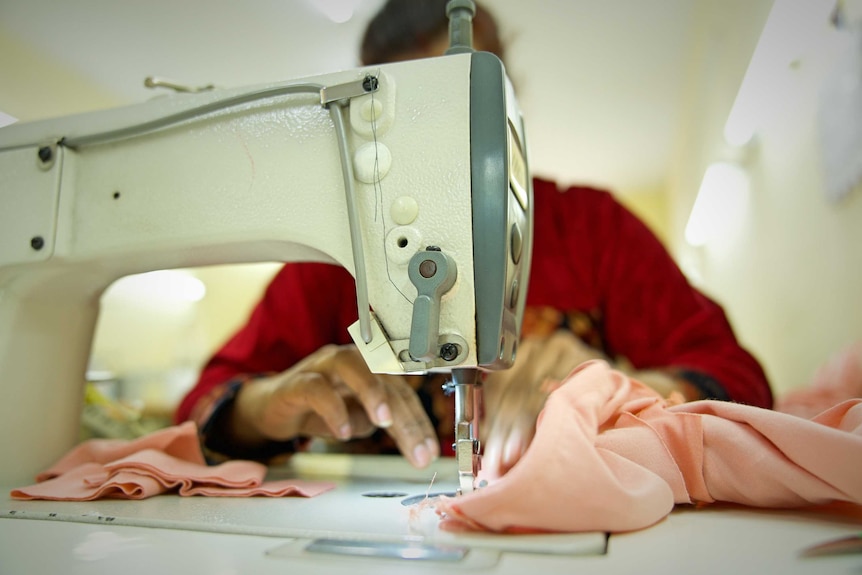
163,286
6,119
339,11
720,201
791,27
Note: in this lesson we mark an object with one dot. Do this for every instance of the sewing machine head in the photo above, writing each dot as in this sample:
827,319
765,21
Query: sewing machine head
411,175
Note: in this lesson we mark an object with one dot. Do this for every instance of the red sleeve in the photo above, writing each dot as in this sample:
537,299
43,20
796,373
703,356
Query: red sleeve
650,313
305,306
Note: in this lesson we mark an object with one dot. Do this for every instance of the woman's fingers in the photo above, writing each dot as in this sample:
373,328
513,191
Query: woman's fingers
300,398
333,394
507,441
411,428
391,403
347,366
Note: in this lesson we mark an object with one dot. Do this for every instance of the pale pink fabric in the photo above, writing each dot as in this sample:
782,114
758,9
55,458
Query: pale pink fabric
609,454
838,379
166,460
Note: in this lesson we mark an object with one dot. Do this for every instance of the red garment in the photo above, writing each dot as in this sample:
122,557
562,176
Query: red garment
593,261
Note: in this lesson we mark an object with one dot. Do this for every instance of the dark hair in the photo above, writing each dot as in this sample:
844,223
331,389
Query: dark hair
403,27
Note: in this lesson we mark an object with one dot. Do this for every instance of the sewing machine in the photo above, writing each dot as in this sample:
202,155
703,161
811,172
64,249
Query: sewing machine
413,176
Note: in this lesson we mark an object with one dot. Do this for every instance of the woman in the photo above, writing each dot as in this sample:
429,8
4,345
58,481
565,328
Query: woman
601,286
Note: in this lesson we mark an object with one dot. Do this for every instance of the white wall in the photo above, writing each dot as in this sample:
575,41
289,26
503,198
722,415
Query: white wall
789,268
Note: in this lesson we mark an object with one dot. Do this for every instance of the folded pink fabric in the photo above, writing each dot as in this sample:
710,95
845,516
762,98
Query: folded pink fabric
610,454
166,460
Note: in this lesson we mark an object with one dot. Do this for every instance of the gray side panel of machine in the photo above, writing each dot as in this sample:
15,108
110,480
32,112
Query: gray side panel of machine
490,183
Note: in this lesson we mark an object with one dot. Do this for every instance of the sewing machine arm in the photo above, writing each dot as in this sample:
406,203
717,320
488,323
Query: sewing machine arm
412,176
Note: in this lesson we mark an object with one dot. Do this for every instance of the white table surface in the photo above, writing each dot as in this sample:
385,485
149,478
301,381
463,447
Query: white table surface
169,534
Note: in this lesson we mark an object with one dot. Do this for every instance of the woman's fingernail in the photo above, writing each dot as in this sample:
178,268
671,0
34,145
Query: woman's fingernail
512,451
491,457
384,416
344,431
433,448
421,456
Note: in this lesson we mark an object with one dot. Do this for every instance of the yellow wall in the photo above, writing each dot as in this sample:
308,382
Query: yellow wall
52,90
789,274
232,291
789,271
157,347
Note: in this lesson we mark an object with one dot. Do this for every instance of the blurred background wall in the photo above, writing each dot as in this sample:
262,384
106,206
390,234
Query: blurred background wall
631,95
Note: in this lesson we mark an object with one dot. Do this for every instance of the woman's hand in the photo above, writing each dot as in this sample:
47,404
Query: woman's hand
331,393
513,398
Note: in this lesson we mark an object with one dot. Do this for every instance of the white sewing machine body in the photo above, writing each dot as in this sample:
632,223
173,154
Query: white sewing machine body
256,175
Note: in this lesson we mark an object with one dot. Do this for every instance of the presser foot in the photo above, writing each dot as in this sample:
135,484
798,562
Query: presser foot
467,389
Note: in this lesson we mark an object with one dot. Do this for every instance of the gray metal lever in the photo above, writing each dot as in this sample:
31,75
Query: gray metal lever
433,273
